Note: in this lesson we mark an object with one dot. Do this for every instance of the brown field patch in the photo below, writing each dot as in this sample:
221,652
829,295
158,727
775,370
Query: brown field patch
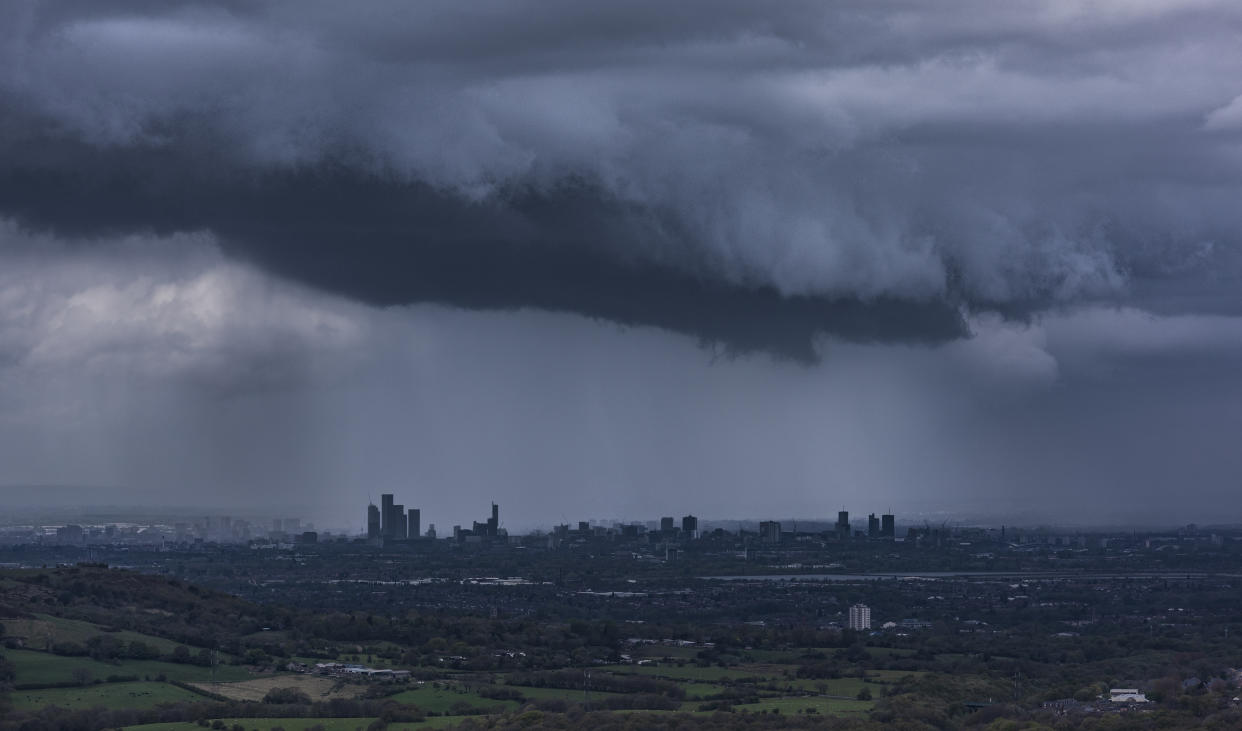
318,688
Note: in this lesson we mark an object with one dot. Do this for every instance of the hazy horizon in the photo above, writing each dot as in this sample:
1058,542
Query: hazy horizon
70,503
733,259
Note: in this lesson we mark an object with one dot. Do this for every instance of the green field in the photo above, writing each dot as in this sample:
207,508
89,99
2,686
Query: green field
774,656
710,674
567,694
434,699
892,676
299,724
793,655
45,627
108,695
833,686
698,691
43,667
823,706
661,651
781,694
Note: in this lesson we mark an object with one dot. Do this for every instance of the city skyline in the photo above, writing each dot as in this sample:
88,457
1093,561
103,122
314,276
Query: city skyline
199,526
71,509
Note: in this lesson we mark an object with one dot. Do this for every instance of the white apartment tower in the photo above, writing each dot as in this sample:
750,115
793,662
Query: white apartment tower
860,617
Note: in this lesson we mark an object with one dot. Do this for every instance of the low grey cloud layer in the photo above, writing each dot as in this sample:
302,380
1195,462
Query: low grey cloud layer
238,243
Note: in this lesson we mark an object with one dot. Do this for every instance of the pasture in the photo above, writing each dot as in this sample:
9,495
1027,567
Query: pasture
45,668
822,706
299,724
708,674
107,695
45,630
434,698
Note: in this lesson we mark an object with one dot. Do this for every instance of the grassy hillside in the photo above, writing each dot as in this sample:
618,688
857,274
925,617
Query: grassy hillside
42,631
105,695
301,724
45,668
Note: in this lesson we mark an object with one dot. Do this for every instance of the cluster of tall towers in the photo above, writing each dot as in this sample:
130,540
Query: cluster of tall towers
884,526
390,521
489,528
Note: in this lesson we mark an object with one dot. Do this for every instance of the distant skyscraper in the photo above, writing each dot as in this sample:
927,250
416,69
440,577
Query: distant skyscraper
690,526
414,523
770,531
888,526
399,528
843,524
373,522
860,617
873,526
666,524
491,528
387,524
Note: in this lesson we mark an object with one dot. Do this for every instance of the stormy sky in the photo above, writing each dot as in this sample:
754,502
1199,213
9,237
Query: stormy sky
597,260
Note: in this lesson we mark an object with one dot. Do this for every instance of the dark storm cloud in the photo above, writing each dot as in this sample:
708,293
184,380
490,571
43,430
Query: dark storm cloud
387,242
751,174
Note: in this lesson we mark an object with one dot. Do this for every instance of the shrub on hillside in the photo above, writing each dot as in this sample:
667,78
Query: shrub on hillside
288,696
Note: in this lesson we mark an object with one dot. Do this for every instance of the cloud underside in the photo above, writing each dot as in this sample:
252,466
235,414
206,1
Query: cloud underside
752,177
392,243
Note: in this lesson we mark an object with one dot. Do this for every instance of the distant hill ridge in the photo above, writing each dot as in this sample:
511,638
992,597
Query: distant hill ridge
125,600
